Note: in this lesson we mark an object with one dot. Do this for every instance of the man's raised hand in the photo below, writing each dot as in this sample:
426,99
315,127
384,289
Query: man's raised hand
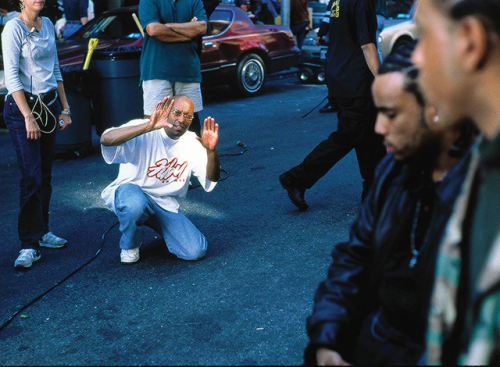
159,118
210,135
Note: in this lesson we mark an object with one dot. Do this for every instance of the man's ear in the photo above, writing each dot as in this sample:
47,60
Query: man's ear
431,115
473,44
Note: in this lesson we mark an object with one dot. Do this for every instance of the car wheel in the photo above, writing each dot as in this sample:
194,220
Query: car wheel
399,42
251,75
305,75
321,77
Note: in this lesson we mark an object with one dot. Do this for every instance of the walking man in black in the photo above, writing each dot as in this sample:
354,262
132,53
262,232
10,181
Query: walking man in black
352,63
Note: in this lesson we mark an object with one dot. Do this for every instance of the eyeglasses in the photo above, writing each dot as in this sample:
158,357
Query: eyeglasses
179,113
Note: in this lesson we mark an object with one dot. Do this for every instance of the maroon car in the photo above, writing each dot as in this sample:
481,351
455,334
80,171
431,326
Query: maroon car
234,51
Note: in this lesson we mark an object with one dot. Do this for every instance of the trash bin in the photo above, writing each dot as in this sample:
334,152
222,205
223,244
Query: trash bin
116,92
78,136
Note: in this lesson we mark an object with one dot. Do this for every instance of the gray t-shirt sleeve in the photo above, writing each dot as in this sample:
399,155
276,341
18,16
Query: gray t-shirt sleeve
11,50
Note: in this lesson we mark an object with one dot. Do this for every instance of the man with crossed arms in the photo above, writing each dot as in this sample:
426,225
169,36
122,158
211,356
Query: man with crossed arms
170,65
157,157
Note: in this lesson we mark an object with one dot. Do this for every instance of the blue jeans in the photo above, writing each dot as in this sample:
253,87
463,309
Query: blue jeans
134,209
71,27
34,158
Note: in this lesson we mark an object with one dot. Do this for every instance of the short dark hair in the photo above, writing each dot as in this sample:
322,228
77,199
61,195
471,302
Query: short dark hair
399,61
487,10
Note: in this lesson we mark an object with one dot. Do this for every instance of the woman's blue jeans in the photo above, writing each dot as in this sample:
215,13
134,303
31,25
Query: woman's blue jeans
134,209
34,158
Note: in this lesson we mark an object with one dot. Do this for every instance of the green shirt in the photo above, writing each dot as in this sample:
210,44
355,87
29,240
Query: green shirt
176,62
486,217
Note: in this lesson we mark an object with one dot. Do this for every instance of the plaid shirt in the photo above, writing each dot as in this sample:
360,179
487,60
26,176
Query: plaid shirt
484,334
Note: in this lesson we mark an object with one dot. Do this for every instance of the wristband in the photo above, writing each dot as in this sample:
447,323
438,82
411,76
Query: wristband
66,112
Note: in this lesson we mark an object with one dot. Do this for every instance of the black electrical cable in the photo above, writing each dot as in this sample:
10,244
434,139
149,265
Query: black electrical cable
100,249
315,107
191,187
241,144
58,283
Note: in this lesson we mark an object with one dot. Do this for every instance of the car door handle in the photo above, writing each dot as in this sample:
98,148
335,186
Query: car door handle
208,44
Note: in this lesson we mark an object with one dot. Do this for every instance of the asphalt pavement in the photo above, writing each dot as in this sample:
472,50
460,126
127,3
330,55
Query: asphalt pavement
245,303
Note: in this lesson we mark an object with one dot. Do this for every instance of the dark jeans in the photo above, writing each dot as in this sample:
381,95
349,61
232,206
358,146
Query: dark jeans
355,131
34,158
299,30
379,344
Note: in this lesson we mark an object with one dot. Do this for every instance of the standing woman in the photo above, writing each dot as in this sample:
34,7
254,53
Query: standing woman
35,108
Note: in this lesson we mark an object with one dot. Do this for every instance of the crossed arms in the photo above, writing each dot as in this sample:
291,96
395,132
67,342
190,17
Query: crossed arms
177,32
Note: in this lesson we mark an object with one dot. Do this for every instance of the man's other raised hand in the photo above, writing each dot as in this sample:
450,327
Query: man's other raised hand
210,135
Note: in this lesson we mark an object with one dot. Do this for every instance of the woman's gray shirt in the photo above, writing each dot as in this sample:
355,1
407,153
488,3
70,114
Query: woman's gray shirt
30,58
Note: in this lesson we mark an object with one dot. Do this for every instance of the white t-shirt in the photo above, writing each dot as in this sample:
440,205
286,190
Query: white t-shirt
161,166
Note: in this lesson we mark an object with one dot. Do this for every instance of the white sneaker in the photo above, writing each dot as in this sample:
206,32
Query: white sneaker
130,256
52,241
26,258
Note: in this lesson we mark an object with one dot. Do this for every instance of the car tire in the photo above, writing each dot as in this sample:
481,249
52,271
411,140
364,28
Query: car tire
321,76
250,75
399,42
306,75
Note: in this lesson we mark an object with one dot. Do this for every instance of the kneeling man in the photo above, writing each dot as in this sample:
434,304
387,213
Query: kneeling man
157,157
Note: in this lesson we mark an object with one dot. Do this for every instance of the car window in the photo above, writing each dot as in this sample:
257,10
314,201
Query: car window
393,8
219,21
117,26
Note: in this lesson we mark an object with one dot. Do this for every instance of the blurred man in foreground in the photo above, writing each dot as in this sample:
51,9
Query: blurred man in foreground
459,56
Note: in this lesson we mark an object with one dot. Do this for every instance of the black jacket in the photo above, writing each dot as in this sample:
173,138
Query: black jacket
350,292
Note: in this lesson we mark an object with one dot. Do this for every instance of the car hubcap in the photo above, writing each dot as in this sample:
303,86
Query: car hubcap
304,76
253,75
321,77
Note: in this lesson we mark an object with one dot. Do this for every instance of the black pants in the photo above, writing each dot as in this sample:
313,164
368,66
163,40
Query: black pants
299,31
355,131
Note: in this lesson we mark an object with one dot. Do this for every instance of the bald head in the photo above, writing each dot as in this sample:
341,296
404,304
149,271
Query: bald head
183,97
180,117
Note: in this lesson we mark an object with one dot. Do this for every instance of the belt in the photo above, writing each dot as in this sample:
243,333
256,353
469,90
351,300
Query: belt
47,98
383,332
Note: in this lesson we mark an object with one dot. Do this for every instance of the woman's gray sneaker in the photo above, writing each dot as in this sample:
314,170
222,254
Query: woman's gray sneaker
26,258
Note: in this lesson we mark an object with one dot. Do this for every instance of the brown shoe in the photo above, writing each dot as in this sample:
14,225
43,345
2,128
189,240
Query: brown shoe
296,195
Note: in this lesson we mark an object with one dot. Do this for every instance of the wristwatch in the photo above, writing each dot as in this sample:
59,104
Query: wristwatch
66,112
